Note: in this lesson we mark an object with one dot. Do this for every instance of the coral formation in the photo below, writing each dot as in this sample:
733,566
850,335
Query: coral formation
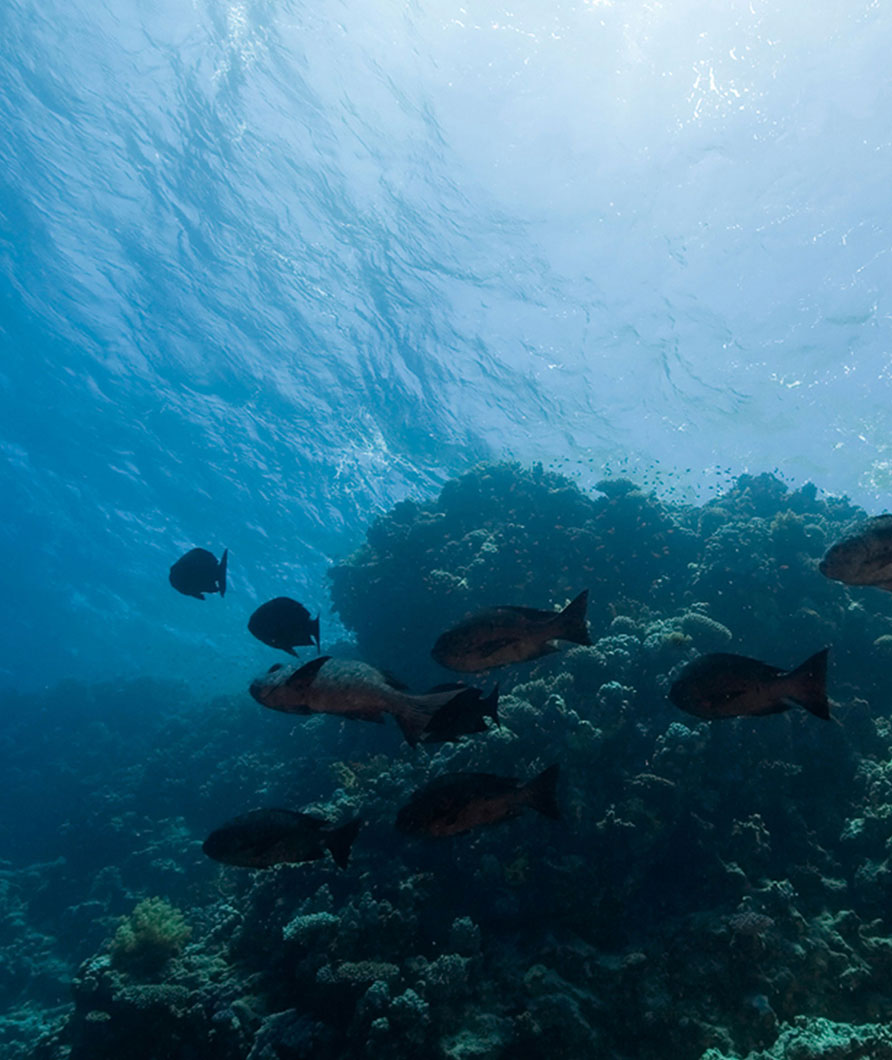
149,937
712,891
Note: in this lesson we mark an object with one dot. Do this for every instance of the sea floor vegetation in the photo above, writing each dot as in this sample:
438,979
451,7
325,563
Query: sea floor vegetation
713,890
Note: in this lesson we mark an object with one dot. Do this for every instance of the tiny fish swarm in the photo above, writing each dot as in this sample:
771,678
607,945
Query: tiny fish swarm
711,889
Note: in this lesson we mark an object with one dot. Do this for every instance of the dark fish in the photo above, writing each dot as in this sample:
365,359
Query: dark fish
464,715
726,686
262,838
864,558
284,623
458,802
502,635
198,572
348,689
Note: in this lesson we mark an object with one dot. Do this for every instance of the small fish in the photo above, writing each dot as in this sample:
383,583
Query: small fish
462,716
262,838
348,689
284,623
722,685
198,572
502,635
457,802
864,558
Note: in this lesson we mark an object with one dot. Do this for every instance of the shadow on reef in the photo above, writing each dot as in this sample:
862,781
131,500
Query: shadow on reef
712,890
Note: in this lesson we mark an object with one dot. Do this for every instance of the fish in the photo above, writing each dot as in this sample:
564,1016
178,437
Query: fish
502,635
284,623
863,558
349,689
462,716
263,838
455,803
722,685
198,572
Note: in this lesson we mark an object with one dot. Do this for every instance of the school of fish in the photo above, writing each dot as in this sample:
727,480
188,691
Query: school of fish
714,686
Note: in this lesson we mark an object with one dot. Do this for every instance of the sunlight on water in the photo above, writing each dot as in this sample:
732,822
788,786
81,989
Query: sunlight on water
343,255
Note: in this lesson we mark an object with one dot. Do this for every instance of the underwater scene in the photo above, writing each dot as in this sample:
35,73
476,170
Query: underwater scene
447,552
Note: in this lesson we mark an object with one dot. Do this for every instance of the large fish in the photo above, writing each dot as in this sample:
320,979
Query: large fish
198,572
722,685
284,623
863,558
457,802
262,838
502,635
351,689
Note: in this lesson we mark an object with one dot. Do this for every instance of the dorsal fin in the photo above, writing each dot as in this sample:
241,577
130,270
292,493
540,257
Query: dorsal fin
309,670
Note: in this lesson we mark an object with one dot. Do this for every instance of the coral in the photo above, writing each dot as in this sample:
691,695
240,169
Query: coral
706,633
464,937
484,1037
311,929
705,886
149,937
357,974
810,1038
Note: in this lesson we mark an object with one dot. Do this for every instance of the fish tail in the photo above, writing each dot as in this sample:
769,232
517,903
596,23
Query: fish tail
542,792
412,722
573,626
221,572
809,683
314,632
340,840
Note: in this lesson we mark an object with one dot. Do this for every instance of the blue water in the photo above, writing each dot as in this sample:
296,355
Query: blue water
269,267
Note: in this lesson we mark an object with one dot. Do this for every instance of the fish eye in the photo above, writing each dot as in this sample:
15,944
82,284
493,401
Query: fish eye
274,667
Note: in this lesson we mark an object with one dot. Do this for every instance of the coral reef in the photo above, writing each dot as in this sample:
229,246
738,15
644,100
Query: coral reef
712,890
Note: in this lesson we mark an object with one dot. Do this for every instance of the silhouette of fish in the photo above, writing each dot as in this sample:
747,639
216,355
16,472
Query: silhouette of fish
863,558
502,635
348,689
198,572
722,685
458,802
284,623
464,715
262,838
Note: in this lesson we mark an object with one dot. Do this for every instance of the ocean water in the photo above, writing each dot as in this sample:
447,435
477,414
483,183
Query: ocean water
269,270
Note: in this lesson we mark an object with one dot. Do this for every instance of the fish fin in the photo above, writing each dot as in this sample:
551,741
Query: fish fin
810,685
308,670
198,596
542,792
412,724
466,705
314,632
340,840
221,572
573,625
